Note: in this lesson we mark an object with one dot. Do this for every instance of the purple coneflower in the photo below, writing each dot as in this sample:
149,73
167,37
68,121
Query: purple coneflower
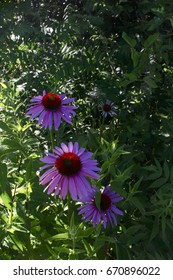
51,107
68,167
108,108
107,211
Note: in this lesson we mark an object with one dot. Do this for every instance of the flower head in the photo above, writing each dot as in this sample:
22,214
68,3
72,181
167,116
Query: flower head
50,108
108,108
107,211
67,169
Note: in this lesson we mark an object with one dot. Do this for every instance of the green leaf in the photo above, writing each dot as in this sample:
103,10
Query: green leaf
3,85
98,199
5,191
171,175
72,225
131,42
166,170
29,170
158,165
150,40
150,168
6,200
87,247
138,204
158,183
150,82
135,57
60,236
13,144
155,229
85,232
155,175
4,126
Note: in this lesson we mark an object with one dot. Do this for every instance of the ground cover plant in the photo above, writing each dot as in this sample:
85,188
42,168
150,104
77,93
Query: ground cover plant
86,129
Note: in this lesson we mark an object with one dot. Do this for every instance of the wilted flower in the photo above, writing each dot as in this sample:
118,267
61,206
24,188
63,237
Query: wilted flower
51,107
108,108
107,210
67,169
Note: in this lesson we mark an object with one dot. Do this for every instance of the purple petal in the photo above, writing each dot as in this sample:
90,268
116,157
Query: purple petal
85,182
86,155
70,147
64,187
45,166
96,217
47,172
48,159
48,178
57,190
90,173
42,115
84,208
81,187
67,100
57,119
58,151
75,148
67,119
53,183
72,188
80,151
64,148
116,210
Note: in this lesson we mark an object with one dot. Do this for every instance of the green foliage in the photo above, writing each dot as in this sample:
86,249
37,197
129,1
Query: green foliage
93,51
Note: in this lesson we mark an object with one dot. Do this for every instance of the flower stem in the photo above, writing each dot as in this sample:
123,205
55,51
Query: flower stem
51,138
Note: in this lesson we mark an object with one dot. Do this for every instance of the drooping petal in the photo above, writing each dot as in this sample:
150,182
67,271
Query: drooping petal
48,177
52,185
107,212
64,187
72,188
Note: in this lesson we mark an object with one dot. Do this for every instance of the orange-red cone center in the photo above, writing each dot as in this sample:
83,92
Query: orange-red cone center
105,202
68,164
106,107
51,101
